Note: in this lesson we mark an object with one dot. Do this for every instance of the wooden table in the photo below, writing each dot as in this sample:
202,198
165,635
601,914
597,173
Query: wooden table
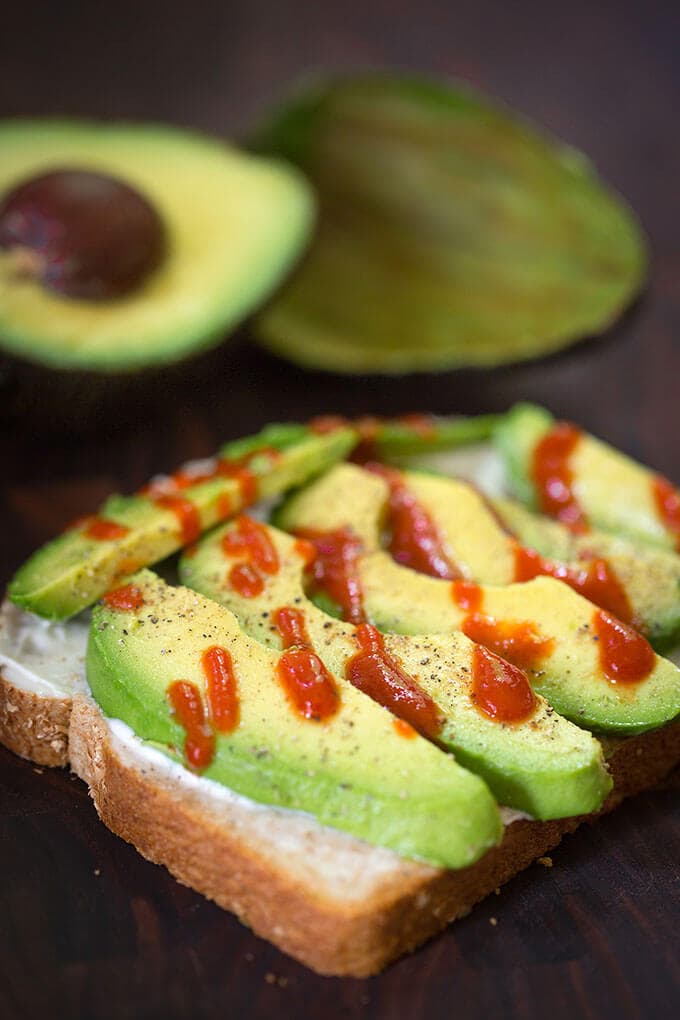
91,930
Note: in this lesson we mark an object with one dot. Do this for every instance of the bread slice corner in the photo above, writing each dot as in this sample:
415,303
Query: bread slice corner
34,726
334,902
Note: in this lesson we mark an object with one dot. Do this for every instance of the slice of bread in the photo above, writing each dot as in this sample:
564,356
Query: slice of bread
335,903
32,725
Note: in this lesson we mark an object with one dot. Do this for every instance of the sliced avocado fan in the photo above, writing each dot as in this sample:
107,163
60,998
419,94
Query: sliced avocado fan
600,487
72,571
234,224
181,673
451,232
542,624
539,763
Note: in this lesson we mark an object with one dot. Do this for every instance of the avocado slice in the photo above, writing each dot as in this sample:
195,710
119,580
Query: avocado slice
351,771
234,225
486,539
69,573
649,576
568,671
613,492
541,764
451,232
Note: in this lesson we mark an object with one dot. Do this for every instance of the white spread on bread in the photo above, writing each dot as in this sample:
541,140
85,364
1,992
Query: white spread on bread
41,656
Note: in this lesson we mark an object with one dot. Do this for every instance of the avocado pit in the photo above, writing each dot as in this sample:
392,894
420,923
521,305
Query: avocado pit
82,234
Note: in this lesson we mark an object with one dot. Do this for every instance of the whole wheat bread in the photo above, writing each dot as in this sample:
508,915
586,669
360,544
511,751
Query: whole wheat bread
333,902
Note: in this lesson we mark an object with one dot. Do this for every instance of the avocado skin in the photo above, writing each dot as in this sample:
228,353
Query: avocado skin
69,573
545,766
197,185
352,772
515,437
435,248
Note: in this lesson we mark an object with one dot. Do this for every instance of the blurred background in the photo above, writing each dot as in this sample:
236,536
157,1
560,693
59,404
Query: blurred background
601,76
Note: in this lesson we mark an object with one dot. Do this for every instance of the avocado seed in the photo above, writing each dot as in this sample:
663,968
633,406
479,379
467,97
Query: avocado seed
82,234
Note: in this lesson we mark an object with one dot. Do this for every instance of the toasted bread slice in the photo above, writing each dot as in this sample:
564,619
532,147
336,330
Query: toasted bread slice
333,902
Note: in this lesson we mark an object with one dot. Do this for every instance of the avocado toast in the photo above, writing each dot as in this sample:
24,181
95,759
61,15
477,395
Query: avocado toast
229,749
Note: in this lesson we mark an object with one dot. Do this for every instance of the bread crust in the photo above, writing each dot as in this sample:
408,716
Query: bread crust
408,903
34,726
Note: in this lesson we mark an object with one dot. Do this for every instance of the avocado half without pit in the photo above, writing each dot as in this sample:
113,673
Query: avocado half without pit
123,246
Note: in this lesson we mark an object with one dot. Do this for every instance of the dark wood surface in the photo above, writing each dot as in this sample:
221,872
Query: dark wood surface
89,929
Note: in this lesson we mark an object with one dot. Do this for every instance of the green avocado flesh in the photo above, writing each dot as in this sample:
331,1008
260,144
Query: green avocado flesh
72,571
615,493
544,765
235,224
451,233
568,673
353,771
649,576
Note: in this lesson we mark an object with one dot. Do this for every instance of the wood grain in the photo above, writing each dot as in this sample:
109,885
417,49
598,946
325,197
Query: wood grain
89,928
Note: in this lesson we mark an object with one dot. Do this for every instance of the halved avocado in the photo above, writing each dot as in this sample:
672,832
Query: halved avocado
233,224
451,232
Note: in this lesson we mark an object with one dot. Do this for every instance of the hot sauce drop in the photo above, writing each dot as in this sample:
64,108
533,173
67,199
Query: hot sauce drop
309,686
404,729
334,569
467,595
516,640
127,599
374,671
553,477
221,688
625,656
500,690
667,502
245,580
414,539
187,707
290,623
103,530
596,580
519,642
250,540
186,513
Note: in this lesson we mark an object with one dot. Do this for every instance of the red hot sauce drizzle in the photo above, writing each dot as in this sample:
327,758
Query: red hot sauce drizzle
127,599
414,539
250,542
245,580
595,580
467,595
333,570
667,502
553,477
290,623
221,688
374,671
187,515
500,690
165,492
187,707
308,685
625,656
515,640
103,530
